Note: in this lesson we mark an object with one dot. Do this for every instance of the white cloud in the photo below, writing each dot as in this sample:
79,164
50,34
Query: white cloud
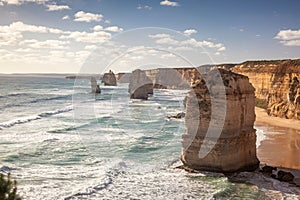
65,17
9,38
98,28
189,32
114,29
47,44
20,2
160,35
107,21
168,40
182,48
87,17
289,37
290,42
94,37
288,34
222,49
21,27
24,50
169,3
145,7
11,34
90,47
54,7
168,55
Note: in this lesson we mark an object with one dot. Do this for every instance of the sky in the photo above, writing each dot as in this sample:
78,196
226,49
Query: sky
69,36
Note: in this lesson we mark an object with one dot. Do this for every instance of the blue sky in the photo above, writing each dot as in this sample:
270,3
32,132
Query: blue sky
59,36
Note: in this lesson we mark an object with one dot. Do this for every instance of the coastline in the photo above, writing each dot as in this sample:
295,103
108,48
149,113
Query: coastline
280,145
263,118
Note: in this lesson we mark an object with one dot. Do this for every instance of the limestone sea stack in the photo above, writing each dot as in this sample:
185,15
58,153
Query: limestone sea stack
109,79
234,147
140,86
95,87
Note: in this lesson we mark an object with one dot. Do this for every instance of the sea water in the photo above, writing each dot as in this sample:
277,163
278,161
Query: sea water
59,141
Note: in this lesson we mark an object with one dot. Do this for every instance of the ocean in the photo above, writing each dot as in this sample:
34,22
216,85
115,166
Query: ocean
59,141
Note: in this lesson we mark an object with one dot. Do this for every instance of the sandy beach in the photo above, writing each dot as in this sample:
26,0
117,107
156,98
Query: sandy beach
263,118
281,144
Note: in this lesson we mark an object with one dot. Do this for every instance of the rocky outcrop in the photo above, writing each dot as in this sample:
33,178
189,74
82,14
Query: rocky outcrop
233,148
276,84
109,79
177,116
95,87
140,85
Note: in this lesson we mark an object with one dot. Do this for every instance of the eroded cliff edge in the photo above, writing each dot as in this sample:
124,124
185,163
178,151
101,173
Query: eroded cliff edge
233,148
277,85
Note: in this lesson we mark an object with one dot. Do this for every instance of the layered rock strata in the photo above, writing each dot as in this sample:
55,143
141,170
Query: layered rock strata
234,147
276,84
140,85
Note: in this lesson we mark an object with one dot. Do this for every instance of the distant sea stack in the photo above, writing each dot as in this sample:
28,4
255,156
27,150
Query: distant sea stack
235,147
95,87
277,85
140,85
109,79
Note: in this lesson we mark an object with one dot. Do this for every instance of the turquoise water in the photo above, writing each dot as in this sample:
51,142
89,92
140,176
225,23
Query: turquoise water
62,142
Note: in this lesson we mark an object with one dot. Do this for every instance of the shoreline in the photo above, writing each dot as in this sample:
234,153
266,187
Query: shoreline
280,141
263,118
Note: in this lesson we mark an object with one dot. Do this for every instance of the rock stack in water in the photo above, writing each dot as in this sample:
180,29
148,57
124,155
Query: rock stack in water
140,86
109,79
233,148
95,87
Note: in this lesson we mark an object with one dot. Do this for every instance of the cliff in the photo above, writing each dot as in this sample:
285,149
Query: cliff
228,140
123,77
277,85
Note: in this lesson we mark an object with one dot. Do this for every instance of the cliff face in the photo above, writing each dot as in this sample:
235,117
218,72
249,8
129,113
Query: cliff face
123,77
233,149
276,83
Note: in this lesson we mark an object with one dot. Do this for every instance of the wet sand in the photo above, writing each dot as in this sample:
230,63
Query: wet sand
263,118
281,140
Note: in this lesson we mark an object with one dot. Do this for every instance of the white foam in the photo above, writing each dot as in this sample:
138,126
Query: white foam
27,119
260,136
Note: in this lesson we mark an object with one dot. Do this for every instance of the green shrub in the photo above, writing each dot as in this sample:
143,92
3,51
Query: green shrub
8,188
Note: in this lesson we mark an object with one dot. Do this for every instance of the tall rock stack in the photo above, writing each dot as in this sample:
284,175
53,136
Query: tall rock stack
140,86
109,79
234,147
